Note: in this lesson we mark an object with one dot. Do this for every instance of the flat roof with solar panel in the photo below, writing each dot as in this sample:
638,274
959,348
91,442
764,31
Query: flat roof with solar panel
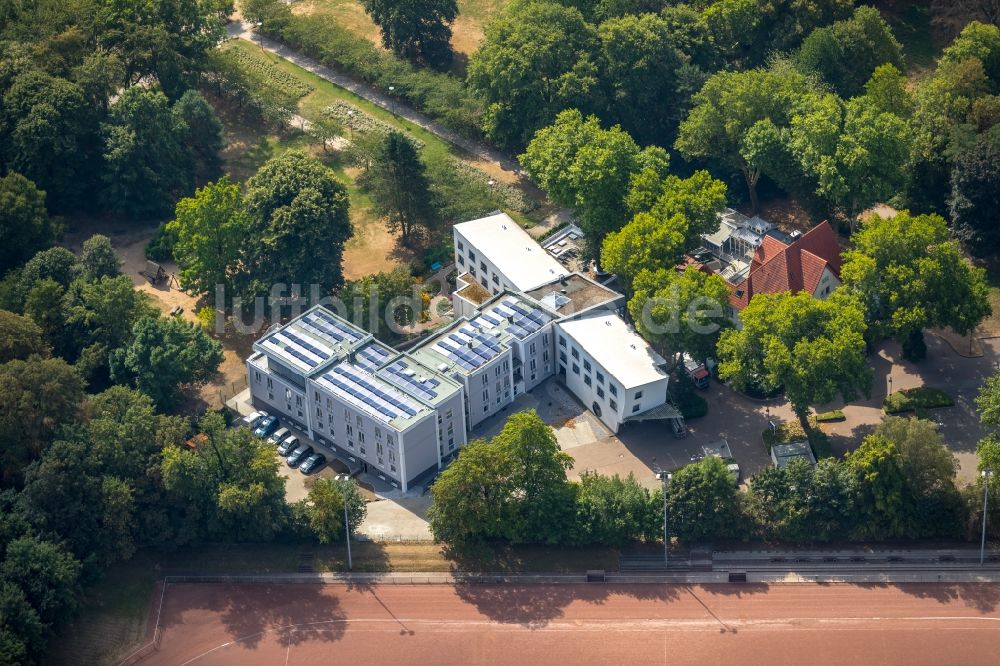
311,341
417,379
370,394
465,346
351,364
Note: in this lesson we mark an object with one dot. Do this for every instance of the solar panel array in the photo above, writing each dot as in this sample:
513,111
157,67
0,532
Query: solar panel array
399,374
371,357
367,394
324,325
308,351
455,346
524,319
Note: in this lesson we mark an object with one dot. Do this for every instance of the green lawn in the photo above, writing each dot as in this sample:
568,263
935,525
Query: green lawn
326,93
916,399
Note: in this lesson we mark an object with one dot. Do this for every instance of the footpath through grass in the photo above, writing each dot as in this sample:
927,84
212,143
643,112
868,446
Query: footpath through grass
325,94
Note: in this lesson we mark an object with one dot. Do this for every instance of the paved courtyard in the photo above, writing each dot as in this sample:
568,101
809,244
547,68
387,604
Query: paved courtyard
741,420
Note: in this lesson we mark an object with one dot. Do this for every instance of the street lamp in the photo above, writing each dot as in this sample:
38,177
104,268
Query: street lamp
350,123
392,101
664,478
260,37
347,533
986,474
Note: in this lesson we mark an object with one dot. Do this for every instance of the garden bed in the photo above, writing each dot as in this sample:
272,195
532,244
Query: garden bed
916,399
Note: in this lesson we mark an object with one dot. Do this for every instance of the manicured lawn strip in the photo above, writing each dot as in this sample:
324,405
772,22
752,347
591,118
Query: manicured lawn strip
831,416
921,397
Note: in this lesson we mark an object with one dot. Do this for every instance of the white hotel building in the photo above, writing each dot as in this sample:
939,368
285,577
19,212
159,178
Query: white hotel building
521,318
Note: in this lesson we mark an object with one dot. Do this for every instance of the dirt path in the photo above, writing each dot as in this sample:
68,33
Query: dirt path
484,153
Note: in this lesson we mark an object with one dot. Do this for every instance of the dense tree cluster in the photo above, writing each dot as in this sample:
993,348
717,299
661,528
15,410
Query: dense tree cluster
624,61
287,225
900,483
96,98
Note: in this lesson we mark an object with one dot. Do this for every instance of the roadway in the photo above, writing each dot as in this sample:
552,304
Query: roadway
578,623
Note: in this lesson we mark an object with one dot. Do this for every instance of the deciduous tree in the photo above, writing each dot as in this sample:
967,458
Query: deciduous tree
418,30
210,229
814,349
910,275
20,337
537,58
728,108
680,311
164,353
37,397
99,259
25,225
588,168
702,502
847,53
147,163
298,224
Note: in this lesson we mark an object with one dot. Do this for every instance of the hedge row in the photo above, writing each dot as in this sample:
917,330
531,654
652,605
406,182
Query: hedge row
440,96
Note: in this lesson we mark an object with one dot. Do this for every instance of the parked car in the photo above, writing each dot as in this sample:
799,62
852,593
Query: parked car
280,435
298,455
288,445
313,463
252,420
266,426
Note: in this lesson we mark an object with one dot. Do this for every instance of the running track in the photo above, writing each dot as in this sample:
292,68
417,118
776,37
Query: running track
296,625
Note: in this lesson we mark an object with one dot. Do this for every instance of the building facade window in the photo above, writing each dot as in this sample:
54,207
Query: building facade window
576,369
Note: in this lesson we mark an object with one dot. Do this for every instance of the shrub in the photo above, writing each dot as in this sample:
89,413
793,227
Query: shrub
831,416
161,245
919,398
791,431
206,318
441,96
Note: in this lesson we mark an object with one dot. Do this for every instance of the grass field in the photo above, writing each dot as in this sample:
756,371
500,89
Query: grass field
467,31
113,614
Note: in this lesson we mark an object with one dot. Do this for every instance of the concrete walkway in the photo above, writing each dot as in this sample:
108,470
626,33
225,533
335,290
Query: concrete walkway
240,30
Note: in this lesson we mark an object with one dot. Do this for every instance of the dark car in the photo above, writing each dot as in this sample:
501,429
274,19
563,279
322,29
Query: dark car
298,455
268,425
313,463
288,445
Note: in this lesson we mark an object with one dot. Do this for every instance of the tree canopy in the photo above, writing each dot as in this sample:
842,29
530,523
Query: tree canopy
536,59
418,30
911,275
210,228
812,348
298,224
680,311
25,225
588,168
